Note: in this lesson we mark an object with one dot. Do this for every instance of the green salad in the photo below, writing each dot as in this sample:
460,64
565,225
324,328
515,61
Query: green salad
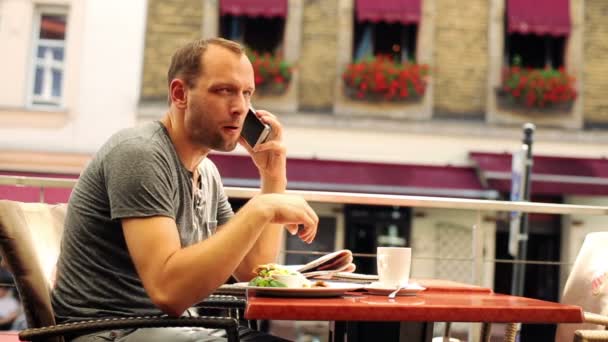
265,275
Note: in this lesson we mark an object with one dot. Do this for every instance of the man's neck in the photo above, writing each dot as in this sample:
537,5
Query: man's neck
189,154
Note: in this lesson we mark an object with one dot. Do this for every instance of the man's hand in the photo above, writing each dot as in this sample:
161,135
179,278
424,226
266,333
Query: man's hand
291,211
269,157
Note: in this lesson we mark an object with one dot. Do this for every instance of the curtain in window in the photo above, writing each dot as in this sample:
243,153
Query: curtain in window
254,8
390,11
365,46
541,17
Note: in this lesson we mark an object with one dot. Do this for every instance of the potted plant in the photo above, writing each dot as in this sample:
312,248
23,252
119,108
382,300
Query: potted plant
379,78
546,88
272,73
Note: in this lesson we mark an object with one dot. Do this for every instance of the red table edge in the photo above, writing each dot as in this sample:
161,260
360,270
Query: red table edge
573,314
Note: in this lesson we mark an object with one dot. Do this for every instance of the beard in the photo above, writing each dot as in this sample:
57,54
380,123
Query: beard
202,131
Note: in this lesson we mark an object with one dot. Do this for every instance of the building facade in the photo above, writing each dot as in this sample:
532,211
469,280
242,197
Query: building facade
81,70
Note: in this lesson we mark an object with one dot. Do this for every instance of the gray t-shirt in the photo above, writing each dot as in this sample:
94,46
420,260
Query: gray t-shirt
137,173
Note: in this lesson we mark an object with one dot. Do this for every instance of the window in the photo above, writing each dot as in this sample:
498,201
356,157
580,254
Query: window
260,34
259,25
386,28
390,39
48,57
536,33
535,51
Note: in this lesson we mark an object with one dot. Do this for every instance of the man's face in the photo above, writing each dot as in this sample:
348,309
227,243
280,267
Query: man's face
219,100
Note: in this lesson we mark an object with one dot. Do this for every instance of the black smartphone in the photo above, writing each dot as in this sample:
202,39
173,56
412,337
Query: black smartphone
254,130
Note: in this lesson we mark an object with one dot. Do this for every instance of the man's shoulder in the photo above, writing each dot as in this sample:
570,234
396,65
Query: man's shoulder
142,139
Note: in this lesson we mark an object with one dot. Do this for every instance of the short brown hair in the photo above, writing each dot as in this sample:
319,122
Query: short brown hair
186,61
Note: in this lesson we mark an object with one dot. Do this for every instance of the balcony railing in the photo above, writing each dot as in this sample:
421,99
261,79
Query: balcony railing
478,216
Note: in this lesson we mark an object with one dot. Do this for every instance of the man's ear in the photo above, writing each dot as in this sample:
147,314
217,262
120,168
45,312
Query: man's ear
179,93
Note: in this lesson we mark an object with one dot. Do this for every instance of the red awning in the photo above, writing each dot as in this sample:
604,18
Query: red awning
316,175
53,26
550,175
254,8
348,176
390,11
539,17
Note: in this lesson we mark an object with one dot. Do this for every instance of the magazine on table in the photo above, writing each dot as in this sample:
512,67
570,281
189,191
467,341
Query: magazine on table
337,265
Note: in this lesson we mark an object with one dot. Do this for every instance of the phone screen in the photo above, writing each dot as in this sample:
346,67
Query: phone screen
254,131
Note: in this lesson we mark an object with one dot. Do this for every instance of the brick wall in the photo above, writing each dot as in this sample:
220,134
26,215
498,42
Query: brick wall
461,57
595,70
170,24
317,63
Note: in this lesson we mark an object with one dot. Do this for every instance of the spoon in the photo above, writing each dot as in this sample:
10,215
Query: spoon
394,293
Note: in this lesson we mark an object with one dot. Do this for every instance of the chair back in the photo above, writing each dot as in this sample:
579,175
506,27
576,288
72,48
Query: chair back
587,284
30,237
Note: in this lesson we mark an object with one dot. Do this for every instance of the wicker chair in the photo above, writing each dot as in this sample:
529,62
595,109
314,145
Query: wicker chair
30,235
593,335
579,291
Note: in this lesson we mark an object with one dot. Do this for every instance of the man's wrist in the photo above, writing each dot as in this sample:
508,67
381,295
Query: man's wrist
273,184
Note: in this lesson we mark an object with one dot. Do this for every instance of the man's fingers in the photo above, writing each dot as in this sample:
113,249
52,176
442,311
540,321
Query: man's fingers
308,234
271,119
262,113
269,146
292,228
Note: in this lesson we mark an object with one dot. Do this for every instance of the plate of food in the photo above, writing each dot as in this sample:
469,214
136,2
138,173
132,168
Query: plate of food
276,280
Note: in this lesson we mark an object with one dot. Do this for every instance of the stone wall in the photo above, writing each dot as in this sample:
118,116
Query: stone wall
595,71
317,64
461,57
170,24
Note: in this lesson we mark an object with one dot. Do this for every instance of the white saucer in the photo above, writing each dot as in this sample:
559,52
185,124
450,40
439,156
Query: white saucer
379,289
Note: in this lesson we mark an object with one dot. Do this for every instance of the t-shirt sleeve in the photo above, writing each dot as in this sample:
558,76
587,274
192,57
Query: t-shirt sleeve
224,209
138,181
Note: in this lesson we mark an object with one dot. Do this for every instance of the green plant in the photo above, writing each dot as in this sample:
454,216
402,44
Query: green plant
380,78
538,87
272,73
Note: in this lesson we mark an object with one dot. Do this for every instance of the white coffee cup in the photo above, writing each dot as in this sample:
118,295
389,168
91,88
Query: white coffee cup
394,265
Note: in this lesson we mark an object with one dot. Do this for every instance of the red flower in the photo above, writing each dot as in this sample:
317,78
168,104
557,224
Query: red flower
380,77
270,72
259,80
538,87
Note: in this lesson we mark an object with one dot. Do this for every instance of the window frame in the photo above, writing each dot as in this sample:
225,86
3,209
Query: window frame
33,63
424,54
573,63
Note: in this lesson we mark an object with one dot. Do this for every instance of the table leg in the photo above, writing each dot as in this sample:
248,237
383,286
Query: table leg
341,331
337,331
486,329
416,331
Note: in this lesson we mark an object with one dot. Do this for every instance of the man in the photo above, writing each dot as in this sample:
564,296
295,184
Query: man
149,229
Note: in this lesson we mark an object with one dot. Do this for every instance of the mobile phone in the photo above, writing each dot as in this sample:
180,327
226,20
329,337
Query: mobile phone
254,130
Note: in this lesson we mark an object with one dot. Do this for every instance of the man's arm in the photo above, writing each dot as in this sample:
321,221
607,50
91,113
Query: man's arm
270,159
176,278
268,244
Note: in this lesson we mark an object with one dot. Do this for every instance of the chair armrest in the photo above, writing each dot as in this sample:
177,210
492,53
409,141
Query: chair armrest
85,327
223,302
590,335
231,290
594,318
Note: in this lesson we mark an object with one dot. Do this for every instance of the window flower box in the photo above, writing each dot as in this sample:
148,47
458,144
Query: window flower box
542,90
272,74
381,79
